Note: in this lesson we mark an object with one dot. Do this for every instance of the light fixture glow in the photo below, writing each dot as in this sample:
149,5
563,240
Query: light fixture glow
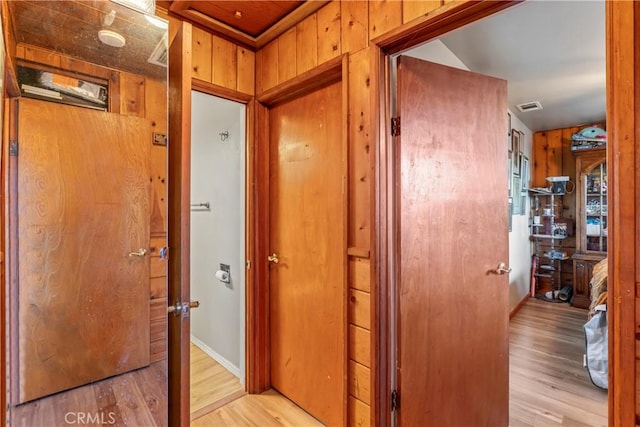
144,6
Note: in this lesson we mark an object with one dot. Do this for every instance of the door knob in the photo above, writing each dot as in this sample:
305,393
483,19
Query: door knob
140,252
273,258
182,308
501,269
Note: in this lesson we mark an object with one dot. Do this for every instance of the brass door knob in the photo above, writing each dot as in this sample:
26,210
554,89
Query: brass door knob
140,252
273,258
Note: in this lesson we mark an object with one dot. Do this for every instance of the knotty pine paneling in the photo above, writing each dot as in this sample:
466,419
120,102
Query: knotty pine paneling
287,55
416,8
354,19
360,382
360,274
360,150
329,37
223,63
360,345
359,413
201,59
307,44
384,15
359,308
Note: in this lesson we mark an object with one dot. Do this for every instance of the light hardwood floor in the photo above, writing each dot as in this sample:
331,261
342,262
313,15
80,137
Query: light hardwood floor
137,398
548,384
211,384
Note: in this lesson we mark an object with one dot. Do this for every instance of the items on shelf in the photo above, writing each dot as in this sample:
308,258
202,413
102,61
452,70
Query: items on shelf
589,138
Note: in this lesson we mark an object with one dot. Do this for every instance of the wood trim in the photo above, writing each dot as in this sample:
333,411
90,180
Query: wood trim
446,18
359,252
623,89
309,81
289,21
345,231
518,306
218,404
220,91
12,255
183,9
258,361
179,172
250,241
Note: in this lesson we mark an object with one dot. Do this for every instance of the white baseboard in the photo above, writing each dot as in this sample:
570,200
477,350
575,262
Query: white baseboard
215,356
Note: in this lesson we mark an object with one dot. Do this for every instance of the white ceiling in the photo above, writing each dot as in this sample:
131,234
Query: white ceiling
548,51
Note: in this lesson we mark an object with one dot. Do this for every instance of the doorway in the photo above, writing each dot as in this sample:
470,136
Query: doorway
442,52
218,252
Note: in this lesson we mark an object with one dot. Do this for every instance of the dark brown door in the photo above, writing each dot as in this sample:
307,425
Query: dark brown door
83,202
307,235
452,213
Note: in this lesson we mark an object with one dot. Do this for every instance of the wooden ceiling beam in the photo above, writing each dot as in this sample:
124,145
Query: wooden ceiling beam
297,15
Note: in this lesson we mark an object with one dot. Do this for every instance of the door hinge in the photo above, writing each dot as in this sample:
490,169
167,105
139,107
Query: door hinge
395,126
13,148
395,401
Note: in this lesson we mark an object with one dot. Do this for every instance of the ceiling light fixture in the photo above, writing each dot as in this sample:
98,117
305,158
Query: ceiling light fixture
111,38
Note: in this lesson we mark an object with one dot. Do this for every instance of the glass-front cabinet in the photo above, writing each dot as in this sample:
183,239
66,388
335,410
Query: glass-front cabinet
592,220
595,208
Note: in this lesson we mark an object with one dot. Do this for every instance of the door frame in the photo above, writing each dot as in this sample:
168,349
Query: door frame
622,115
250,107
332,71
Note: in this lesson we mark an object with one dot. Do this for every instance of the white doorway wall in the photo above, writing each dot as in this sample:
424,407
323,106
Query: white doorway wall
218,231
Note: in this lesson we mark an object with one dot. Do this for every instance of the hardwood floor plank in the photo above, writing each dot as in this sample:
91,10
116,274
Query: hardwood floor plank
548,384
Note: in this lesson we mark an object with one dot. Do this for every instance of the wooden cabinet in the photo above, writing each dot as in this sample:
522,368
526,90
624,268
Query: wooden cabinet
592,221
582,272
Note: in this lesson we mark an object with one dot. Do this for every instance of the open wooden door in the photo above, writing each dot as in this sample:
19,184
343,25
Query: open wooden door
83,203
179,148
451,210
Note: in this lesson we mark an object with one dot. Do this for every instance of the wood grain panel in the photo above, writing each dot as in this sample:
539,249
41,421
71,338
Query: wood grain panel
158,266
360,274
224,63
354,25
568,168
412,9
428,160
287,55
202,51
554,152
246,71
156,244
360,382
359,413
360,345
158,190
307,44
43,56
360,150
158,308
268,70
539,161
384,15
360,308
307,164
76,229
158,287
329,43
132,94
155,107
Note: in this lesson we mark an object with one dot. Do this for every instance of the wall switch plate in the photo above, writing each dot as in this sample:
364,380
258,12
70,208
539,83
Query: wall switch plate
226,268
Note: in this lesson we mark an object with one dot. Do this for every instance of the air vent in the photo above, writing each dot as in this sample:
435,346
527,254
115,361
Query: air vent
529,106
160,54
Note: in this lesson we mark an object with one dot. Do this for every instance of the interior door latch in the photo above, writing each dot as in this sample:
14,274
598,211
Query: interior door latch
180,308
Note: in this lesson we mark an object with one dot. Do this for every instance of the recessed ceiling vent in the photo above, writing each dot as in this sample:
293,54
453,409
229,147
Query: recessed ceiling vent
160,54
529,106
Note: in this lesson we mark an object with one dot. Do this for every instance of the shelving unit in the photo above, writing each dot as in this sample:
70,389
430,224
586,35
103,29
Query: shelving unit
592,221
547,231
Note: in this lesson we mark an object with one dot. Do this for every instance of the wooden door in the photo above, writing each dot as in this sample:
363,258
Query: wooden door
83,204
179,200
452,324
307,232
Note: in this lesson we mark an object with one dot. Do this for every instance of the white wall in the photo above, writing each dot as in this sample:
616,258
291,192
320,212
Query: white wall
520,250
217,235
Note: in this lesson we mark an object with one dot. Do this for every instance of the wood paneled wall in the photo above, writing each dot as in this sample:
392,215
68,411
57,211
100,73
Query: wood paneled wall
223,63
347,27
134,95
